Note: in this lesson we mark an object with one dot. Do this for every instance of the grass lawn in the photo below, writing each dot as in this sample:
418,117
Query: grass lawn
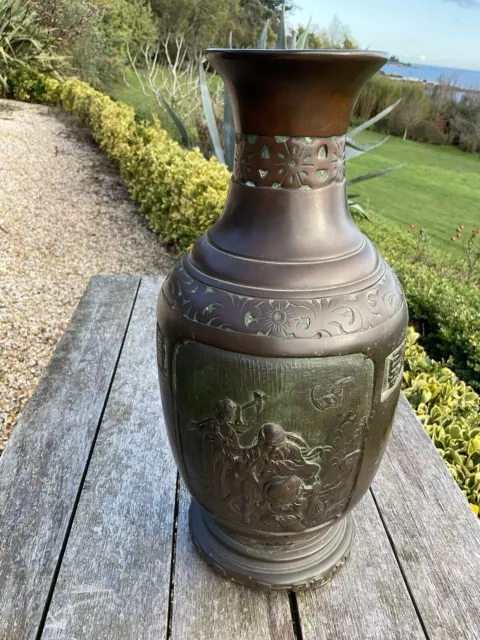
133,96
438,190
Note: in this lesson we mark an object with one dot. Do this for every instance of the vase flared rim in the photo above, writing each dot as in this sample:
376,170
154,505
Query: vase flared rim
293,54
294,92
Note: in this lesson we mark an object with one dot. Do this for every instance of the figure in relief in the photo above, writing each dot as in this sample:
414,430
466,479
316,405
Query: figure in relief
277,477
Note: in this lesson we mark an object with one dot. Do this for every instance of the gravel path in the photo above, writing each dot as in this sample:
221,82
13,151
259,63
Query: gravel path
65,216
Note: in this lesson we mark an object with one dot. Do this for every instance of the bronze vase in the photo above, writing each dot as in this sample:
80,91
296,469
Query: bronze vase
281,333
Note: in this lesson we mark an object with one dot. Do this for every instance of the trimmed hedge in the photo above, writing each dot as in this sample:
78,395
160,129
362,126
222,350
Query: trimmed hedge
450,412
446,311
182,194
29,85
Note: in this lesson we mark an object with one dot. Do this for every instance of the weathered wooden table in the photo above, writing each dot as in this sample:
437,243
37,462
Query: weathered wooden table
94,541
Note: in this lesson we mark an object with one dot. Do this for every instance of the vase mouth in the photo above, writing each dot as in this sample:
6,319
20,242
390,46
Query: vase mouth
292,54
296,93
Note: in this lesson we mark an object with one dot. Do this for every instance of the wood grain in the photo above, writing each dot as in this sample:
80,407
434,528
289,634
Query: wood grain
417,548
367,599
434,532
209,607
42,467
115,577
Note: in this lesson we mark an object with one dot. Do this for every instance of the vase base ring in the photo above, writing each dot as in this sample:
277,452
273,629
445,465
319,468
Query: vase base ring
297,566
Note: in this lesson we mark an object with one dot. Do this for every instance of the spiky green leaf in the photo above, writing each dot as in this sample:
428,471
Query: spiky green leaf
356,130
210,115
303,39
262,41
374,174
177,121
357,208
354,150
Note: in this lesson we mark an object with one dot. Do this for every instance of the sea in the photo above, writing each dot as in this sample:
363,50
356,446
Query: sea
462,78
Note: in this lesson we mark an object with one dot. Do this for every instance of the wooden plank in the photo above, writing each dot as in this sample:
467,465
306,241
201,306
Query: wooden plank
367,599
42,467
115,577
433,530
209,607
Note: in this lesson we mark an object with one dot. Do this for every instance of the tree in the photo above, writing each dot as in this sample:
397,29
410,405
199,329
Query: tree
75,26
253,15
204,23
277,5
93,35
209,22
412,111
336,37
339,35
129,23
465,123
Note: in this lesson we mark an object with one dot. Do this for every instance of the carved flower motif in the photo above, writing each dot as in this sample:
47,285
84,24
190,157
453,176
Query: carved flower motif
338,158
284,162
294,164
278,319
298,318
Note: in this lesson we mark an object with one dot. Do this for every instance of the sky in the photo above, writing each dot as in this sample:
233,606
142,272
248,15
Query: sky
436,32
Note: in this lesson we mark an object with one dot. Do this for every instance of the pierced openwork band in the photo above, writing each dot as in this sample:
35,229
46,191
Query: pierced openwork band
283,162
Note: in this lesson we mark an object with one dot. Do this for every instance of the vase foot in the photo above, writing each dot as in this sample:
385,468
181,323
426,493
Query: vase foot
309,563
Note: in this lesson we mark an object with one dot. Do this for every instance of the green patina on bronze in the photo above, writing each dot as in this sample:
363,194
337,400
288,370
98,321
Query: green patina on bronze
281,333
267,441
286,162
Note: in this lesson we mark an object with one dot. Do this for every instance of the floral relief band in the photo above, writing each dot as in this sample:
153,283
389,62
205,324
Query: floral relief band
284,162
328,317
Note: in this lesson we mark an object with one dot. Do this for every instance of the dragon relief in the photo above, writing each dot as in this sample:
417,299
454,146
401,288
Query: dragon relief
268,477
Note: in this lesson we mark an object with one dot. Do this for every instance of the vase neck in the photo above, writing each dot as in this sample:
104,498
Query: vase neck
289,162
286,225
269,237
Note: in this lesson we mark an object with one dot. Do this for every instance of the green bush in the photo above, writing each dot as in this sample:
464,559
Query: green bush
446,311
428,132
29,85
182,194
450,412
22,40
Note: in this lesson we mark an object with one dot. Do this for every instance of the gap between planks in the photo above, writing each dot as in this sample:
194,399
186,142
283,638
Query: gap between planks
47,453
84,475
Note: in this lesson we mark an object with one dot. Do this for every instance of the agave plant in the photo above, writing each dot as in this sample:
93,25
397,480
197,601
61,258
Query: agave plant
21,40
225,152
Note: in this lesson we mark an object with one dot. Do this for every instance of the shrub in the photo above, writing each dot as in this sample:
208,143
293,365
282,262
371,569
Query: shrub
446,311
427,131
111,124
182,194
29,85
450,412
22,41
